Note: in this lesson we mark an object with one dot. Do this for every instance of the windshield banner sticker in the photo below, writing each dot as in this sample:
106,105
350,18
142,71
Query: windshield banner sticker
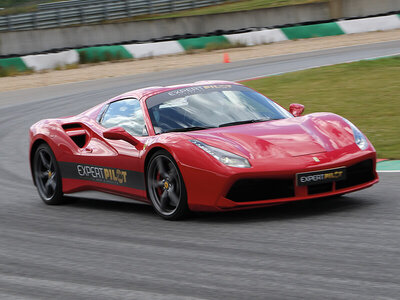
192,90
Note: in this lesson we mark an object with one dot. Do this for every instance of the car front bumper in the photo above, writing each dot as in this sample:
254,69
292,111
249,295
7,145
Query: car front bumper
255,187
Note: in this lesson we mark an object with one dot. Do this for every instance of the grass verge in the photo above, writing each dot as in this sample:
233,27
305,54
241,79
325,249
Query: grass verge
219,46
365,92
25,6
11,7
12,71
230,6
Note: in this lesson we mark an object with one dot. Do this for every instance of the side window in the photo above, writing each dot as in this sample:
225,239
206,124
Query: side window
127,114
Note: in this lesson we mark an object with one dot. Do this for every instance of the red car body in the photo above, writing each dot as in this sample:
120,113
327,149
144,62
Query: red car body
276,150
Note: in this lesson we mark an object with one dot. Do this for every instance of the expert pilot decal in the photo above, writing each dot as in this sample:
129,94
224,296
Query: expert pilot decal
102,174
311,178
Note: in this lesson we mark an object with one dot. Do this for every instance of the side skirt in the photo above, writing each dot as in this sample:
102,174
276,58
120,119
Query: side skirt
96,195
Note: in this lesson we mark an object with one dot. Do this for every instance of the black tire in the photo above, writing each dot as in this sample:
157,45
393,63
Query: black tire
47,176
165,187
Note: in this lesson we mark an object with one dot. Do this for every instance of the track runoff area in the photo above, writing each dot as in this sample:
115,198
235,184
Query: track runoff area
382,165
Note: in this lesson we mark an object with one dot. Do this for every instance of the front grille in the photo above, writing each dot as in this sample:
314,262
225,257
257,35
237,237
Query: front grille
320,188
357,174
256,189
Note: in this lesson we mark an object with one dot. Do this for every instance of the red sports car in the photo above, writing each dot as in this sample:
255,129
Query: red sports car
206,146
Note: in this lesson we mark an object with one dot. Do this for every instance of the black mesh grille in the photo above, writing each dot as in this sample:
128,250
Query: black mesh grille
320,188
255,189
357,174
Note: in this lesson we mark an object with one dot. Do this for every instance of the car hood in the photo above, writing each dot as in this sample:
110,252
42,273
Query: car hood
314,133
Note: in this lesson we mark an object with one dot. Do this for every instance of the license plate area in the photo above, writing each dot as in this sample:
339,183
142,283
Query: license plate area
321,176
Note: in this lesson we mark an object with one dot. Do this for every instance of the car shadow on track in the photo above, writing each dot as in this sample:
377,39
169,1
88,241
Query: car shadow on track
109,205
290,210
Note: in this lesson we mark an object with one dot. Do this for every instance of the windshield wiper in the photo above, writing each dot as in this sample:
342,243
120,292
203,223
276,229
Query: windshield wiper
188,129
243,122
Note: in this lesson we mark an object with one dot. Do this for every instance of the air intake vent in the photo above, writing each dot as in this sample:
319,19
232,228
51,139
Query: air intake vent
77,134
79,140
358,174
72,126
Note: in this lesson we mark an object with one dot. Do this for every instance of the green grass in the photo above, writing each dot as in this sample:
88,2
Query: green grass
15,3
21,6
217,46
11,71
366,92
232,6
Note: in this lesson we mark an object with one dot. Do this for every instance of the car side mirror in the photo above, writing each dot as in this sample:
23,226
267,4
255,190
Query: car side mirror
119,133
296,109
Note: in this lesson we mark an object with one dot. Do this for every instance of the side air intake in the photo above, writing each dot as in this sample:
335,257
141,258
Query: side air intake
77,134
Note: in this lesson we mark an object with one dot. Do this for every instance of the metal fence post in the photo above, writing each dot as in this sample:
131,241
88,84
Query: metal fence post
104,10
34,20
150,7
9,26
81,14
128,8
58,17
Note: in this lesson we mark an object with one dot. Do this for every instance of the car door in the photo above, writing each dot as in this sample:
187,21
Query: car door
120,168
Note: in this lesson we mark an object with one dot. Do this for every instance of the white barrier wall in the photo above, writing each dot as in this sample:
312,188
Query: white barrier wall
50,61
22,42
370,24
257,37
154,49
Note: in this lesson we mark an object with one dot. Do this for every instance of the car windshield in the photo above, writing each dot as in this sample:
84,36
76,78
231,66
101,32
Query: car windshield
210,106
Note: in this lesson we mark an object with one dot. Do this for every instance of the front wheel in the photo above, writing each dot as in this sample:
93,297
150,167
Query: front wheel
47,176
165,187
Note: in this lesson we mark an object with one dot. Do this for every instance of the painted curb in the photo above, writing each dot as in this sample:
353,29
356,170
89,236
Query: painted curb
154,49
370,24
105,53
265,36
14,63
203,42
388,166
310,31
50,61
102,53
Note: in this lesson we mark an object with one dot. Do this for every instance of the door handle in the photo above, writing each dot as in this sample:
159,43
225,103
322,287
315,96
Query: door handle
89,150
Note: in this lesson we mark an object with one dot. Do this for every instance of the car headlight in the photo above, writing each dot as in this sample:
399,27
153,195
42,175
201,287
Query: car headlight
359,137
223,156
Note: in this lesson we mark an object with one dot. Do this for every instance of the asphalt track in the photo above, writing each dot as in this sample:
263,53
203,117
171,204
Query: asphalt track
337,248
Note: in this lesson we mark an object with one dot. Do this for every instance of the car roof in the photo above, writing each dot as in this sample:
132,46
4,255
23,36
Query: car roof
144,93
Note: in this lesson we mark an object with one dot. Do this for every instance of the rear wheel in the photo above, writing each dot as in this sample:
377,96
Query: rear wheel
47,176
165,187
